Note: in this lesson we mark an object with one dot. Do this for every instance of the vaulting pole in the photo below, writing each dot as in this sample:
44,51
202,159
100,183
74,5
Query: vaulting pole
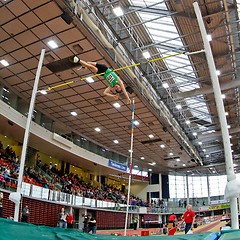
16,197
221,114
130,169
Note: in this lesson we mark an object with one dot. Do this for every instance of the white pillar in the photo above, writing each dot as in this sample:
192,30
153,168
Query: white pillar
160,186
221,113
187,189
82,214
208,191
15,197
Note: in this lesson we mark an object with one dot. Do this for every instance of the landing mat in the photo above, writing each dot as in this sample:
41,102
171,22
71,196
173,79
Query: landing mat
24,231
230,235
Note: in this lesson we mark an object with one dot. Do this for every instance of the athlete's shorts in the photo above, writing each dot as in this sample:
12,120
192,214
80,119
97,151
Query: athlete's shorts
101,68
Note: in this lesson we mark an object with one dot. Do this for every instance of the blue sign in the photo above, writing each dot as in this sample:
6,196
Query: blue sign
117,165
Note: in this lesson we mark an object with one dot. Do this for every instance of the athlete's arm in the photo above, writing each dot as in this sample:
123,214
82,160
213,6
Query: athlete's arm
120,82
107,93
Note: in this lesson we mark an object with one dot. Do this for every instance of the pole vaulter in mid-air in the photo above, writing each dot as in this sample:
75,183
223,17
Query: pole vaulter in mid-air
114,82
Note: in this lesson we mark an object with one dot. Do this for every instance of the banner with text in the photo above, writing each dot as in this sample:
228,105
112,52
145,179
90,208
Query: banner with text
117,165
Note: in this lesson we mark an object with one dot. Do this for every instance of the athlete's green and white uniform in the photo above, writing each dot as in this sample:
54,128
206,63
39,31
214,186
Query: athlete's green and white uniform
111,78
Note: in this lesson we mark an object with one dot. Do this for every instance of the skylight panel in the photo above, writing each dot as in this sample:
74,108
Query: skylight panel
175,62
139,3
163,31
176,43
187,88
160,5
203,110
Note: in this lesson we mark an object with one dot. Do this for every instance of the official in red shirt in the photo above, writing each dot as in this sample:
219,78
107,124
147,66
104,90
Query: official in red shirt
189,218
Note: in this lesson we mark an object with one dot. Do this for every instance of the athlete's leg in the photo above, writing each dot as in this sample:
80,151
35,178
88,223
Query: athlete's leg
89,65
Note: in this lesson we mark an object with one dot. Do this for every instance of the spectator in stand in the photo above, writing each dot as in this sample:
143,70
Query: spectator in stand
2,180
62,218
189,218
1,149
25,214
50,166
39,163
166,206
1,203
92,225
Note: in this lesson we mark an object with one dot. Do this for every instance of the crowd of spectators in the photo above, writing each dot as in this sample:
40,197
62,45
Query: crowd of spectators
74,184
9,166
71,183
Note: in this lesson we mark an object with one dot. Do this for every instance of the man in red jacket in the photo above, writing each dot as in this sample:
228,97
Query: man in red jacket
189,218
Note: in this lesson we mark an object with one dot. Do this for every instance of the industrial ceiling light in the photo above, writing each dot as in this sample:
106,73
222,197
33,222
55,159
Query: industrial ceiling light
43,92
97,129
116,105
188,122
116,141
4,62
118,11
89,80
74,113
150,136
194,134
162,146
218,72
165,85
209,37
142,158
152,163
146,54
52,44
178,106
136,123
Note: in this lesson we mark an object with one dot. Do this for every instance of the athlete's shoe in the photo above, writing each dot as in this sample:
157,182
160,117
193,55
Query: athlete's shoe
74,59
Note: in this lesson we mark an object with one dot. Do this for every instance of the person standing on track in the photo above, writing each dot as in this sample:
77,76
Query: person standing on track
189,218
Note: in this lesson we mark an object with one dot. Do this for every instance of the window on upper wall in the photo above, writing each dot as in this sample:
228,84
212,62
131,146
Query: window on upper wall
197,187
177,186
217,185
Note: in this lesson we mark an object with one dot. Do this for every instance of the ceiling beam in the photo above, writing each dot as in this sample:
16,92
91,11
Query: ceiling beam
214,135
206,90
